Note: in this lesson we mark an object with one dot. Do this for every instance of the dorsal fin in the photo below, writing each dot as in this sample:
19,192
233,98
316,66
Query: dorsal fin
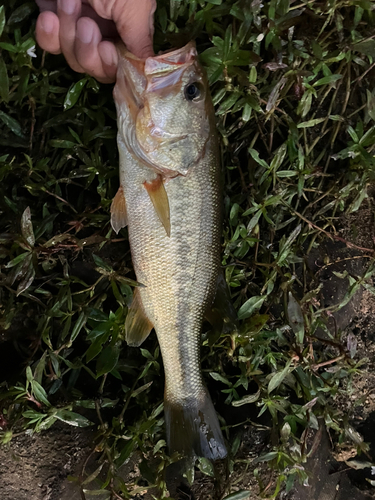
118,211
137,324
158,195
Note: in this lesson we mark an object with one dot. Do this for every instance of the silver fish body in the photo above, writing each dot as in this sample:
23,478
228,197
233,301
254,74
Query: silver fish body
169,151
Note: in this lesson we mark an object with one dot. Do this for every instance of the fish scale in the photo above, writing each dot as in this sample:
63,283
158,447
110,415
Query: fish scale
179,266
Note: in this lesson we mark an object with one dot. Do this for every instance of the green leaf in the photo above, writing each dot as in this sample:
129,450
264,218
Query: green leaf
107,360
251,398
310,123
27,227
4,81
2,19
61,143
358,465
228,103
267,457
94,475
90,403
227,42
104,494
99,262
21,13
81,321
27,278
255,156
29,374
278,377
238,495
9,47
368,138
96,346
33,414
97,315
125,453
39,393
17,259
96,332
73,93
11,123
220,378
327,79
285,247
286,173
206,466
250,306
352,134
141,389
366,47
71,418
278,158
295,318
254,221
246,112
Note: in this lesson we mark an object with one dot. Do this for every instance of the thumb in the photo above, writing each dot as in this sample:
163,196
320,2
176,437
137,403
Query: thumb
134,20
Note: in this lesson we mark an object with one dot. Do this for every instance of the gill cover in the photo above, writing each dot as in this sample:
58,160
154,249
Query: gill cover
158,122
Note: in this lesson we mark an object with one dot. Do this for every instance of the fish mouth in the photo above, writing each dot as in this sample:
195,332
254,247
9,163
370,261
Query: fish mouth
134,73
183,55
171,60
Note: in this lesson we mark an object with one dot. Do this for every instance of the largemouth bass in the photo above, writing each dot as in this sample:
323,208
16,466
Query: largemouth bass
170,198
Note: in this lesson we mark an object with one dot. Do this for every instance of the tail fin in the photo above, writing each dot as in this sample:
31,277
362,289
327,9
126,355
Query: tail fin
193,428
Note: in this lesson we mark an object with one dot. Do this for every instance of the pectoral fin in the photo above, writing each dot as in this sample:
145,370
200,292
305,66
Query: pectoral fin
221,314
158,195
118,211
137,325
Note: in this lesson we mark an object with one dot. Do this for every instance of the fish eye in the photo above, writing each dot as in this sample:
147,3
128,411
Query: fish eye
192,91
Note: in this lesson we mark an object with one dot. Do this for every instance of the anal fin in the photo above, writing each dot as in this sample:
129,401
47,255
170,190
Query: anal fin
118,211
158,195
137,325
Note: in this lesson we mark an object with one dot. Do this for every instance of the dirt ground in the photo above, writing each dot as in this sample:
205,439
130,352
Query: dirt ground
36,467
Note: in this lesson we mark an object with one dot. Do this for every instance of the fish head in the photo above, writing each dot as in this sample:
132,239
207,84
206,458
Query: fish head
170,114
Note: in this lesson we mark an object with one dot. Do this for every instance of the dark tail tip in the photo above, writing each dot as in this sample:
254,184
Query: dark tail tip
193,429
177,484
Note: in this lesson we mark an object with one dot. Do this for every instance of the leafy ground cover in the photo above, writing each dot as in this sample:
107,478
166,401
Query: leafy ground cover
295,104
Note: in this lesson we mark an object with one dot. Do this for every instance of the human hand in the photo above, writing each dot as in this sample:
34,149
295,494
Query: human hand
77,28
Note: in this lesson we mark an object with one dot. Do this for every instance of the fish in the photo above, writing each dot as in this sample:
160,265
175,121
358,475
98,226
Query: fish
170,197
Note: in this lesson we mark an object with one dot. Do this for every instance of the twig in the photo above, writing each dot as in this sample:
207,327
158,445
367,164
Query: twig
61,199
342,260
330,235
358,80
326,363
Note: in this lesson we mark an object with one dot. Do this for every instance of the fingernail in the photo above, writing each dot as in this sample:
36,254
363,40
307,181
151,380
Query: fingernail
47,26
108,54
85,32
67,6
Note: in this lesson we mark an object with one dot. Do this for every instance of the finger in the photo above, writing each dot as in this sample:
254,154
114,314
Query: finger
68,12
47,32
136,25
109,57
134,21
107,27
50,5
86,49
